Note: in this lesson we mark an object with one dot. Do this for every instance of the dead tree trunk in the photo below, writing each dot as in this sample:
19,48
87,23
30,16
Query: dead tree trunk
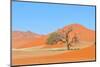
68,46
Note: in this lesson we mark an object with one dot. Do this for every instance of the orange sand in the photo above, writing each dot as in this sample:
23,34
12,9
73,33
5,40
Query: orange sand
28,40
71,56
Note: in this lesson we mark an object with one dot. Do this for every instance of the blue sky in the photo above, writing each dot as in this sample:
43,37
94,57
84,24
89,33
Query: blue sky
44,18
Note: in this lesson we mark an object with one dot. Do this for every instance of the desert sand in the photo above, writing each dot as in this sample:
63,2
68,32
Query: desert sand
30,48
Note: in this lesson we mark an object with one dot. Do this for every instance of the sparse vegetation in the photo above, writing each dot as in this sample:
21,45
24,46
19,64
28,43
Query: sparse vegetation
63,37
53,38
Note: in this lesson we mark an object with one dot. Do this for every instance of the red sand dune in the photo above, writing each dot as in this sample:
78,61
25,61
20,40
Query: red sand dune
26,39
29,39
83,33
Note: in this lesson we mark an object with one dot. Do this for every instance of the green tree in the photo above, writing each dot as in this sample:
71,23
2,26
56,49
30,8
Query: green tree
64,37
53,38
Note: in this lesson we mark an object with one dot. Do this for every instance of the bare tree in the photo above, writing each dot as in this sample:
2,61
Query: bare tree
67,38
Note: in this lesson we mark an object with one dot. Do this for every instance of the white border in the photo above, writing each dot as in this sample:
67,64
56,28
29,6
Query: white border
4,33
89,2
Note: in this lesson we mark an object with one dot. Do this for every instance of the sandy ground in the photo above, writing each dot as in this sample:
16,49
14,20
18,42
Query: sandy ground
41,55
31,48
